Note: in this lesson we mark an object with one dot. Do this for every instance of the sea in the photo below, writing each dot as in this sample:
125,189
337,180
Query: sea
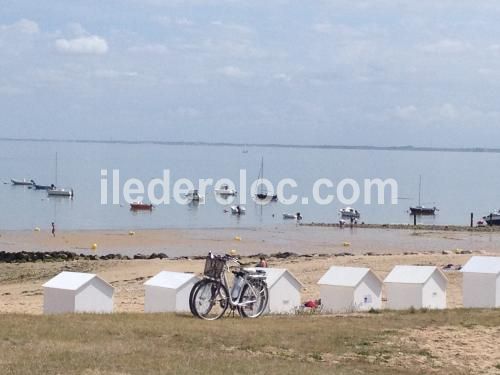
457,183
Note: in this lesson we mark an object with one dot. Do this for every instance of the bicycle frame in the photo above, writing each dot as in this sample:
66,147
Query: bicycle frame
235,302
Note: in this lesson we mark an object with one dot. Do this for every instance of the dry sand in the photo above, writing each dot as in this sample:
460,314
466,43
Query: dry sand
21,290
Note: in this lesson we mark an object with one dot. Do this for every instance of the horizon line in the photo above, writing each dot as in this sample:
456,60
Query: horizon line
269,145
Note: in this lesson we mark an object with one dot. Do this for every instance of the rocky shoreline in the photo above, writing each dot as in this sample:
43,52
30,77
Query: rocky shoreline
451,228
62,256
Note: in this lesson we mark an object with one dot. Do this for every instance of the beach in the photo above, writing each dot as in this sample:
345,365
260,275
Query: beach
300,239
429,341
310,251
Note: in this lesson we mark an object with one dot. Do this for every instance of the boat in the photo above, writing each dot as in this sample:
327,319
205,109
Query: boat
238,210
224,190
22,182
60,192
349,212
44,187
420,209
493,218
193,196
264,194
134,206
296,216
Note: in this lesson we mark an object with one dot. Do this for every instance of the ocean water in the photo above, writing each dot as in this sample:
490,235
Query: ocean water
457,183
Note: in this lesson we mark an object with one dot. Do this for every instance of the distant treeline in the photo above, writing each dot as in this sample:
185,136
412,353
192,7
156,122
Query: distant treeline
270,145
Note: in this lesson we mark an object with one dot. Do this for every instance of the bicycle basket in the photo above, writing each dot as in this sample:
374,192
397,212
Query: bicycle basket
214,267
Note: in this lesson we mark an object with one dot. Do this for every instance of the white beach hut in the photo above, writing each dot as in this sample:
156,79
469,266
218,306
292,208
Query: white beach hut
344,289
77,292
284,291
415,286
481,282
168,292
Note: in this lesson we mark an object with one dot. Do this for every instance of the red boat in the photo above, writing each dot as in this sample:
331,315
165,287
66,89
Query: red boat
140,206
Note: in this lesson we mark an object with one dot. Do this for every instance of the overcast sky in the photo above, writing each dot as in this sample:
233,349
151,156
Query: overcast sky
383,72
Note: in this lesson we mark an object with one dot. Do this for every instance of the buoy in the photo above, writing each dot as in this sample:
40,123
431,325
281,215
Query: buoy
237,238
94,246
458,250
347,244
233,252
131,233
36,229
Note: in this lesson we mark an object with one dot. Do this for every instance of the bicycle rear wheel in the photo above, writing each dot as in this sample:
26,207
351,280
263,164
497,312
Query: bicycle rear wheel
255,297
191,295
210,300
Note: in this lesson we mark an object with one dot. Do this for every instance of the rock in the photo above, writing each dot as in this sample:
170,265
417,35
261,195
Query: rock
162,256
140,256
445,252
284,255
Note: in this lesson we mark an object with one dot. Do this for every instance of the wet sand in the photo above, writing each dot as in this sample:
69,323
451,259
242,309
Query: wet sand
271,239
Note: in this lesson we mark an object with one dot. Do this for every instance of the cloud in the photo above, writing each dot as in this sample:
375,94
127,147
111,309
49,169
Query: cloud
234,72
406,112
89,45
24,26
323,28
446,46
150,48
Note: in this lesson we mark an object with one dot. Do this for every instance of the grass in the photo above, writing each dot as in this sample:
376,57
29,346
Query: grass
163,343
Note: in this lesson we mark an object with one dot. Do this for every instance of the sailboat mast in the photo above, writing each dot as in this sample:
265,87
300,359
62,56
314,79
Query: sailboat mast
419,189
56,169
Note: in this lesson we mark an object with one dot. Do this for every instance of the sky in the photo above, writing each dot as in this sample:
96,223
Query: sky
356,72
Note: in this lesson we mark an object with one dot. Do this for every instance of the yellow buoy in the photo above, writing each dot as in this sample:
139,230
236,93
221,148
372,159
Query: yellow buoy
347,244
94,246
233,252
131,233
237,238
36,229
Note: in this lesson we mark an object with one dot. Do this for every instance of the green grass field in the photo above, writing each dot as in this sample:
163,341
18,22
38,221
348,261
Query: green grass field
162,343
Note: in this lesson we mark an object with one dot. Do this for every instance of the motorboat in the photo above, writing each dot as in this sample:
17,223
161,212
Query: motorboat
225,190
238,210
57,192
349,212
44,187
296,216
22,182
493,218
134,206
193,196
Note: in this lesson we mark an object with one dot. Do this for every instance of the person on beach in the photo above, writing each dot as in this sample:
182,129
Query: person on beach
53,230
262,262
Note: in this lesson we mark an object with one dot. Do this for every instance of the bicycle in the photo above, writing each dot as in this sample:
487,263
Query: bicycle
209,298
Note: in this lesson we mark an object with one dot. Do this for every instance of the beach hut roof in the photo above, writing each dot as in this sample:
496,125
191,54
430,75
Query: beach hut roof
172,280
274,274
481,264
72,280
412,274
344,276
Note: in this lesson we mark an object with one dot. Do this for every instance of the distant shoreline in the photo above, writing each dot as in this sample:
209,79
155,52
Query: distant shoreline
260,145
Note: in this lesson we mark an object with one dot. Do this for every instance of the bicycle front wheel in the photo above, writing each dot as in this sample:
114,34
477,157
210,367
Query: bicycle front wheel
254,299
191,295
210,300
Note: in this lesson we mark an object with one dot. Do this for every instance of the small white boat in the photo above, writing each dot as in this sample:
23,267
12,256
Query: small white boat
296,216
60,193
226,191
194,196
238,210
349,212
22,182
